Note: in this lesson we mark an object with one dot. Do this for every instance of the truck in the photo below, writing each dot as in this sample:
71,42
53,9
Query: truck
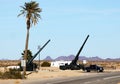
93,67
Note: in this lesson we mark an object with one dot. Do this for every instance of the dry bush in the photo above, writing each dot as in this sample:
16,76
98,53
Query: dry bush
45,64
11,74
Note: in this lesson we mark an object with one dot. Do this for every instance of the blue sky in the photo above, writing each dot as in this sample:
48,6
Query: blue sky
66,23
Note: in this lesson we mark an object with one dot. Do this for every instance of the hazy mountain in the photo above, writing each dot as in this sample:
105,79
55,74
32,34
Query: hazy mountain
65,58
48,58
71,57
110,59
96,58
61,58
83,58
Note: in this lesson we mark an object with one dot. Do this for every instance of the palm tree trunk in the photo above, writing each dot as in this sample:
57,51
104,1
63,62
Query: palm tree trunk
26,48
26,45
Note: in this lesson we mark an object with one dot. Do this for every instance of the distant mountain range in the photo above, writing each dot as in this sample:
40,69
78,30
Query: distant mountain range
71,57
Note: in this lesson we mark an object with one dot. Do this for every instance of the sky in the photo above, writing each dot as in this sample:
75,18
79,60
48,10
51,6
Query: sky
67,23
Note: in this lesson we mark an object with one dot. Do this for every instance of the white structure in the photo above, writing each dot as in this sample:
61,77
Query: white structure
13,67
84,61
58,63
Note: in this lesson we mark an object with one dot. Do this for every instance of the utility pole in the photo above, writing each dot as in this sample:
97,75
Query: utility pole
39,58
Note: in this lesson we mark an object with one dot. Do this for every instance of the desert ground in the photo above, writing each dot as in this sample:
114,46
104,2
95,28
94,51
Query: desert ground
48,73
45,73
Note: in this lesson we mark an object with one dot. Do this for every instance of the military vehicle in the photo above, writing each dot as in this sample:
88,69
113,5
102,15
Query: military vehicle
93,68
73,65
30,66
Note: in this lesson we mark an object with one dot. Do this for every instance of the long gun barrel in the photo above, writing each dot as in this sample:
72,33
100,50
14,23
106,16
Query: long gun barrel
38,52
77,55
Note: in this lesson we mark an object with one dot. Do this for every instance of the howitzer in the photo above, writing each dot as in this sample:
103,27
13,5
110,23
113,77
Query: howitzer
38,52
30,66
73,65
77,55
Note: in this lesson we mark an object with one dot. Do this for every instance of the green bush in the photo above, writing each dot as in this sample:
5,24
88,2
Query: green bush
45,64
11,74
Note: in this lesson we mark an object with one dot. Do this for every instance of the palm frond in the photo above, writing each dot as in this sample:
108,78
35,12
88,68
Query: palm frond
31,10
22,13
23,7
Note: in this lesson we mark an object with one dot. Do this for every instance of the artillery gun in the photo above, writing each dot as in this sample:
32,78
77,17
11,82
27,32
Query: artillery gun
30,66
73,65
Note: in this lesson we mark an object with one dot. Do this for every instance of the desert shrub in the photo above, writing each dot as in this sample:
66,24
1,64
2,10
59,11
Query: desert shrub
45,64
1,74
11,74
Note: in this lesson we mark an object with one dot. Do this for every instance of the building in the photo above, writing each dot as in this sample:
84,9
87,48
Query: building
59,63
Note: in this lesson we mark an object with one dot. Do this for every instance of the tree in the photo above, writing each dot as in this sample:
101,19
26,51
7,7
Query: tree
31,10
29,55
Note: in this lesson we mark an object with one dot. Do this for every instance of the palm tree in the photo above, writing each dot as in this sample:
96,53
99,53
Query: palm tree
29,55
31,10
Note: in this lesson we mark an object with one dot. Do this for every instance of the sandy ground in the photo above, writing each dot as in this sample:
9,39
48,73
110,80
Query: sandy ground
49,73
